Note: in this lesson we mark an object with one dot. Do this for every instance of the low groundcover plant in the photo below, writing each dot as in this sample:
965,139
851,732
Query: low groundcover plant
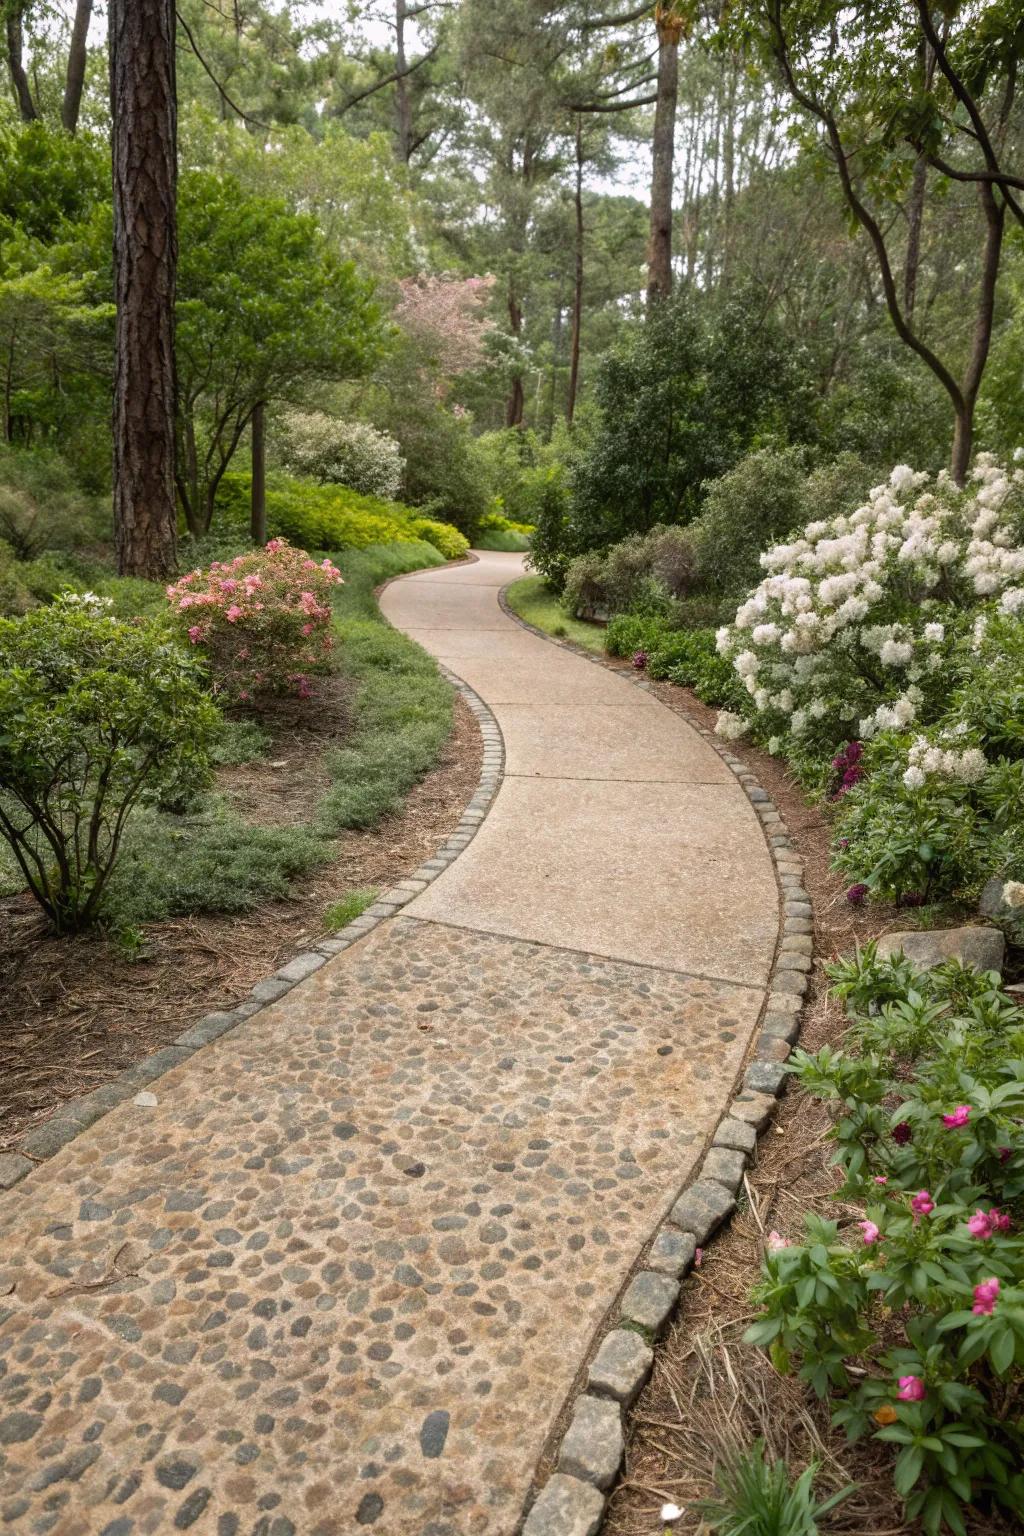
911,1319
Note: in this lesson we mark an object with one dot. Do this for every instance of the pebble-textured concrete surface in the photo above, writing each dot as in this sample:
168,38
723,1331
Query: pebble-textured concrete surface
341,1275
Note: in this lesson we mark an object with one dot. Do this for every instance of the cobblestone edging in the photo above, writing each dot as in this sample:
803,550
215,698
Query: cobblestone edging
572,1501
78,1114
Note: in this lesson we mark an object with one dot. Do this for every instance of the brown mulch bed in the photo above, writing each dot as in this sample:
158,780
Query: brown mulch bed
709,1394
74,1012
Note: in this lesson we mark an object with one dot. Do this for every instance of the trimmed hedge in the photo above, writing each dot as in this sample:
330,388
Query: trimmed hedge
333,517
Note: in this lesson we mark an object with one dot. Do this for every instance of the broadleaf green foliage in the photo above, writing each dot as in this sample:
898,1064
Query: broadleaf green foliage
684,656
264,307
929,1098
95,717
681,399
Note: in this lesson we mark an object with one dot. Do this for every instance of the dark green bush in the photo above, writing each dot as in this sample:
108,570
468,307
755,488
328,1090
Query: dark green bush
95,716
645,573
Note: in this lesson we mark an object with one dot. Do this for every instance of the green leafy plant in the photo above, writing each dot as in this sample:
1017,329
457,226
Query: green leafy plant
756,1497
912,1320
340,913
96,716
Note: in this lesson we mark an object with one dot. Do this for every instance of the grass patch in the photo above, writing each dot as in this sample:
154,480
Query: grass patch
533,600
340,913
210,860
238,742
507,541
403,709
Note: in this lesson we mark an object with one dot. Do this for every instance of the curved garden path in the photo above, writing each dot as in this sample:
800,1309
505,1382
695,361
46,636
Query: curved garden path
344,1271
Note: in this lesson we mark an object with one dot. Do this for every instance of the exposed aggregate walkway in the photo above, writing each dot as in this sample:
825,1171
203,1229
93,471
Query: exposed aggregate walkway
343,1274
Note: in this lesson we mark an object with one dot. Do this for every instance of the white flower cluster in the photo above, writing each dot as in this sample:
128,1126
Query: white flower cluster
927,759
350,453
730,727
90,601
848,626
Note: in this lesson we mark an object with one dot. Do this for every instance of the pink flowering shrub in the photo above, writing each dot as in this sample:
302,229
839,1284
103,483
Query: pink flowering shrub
911,1319
262,620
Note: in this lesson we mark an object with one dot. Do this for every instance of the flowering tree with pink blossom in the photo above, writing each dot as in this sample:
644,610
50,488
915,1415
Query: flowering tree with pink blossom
262,620
447,319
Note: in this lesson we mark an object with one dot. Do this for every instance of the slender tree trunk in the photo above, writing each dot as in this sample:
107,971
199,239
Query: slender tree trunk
9,392
915,222
258,519
577,298
144,149
75,78
19,79
403,99
659,253
516,402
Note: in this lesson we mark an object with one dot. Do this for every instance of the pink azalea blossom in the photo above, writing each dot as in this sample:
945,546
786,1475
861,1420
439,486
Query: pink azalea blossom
958,1118
881,1178
233,614
911,1390
195,634
872,1234
922,1204
985,1297
274,545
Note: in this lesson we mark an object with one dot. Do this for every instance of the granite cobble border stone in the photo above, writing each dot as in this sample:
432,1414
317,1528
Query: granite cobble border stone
709,1199
77,1115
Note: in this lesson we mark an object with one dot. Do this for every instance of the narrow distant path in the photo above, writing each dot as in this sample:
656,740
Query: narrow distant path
343,1275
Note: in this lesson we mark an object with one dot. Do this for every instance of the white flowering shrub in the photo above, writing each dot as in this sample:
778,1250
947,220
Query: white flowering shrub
349,453
855,625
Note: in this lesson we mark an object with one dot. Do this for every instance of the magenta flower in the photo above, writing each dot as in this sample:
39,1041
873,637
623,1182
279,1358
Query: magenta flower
985,1297
922,1205
958,1118
1005,1153
980,1225
911,1390
902,1133
640,660
881,1178
856,894
871,1232
854,751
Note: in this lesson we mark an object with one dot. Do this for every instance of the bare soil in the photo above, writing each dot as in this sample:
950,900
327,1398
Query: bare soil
709,1393
74,1012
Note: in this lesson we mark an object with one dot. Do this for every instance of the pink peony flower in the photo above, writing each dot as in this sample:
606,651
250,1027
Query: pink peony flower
902,1133
922,1205
775,1242
985,1297
980,1225
958,1118
871,1233
639,660
911,1390
881,1178
1000,1220
856,894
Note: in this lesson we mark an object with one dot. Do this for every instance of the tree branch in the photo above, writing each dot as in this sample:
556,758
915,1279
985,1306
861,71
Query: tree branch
379,85
245,116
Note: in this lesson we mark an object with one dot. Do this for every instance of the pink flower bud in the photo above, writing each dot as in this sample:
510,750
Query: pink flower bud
911,1390
985,1297
958,1118
872,1234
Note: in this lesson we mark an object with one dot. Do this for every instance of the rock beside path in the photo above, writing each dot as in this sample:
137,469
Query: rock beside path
982,947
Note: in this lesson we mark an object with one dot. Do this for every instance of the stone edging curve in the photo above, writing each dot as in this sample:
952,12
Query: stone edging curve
78,1114
572,1501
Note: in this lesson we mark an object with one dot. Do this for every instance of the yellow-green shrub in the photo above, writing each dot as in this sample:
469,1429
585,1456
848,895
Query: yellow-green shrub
333,517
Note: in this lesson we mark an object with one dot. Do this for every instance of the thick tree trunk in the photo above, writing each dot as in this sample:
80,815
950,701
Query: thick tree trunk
75,78
258,512
145,263
19,79
577,298
403,100
659,251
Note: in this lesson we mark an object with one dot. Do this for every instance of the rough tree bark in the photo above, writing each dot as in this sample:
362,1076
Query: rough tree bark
577,300
258,510
19,79
403,99
74,81
144,153
516,402
659,252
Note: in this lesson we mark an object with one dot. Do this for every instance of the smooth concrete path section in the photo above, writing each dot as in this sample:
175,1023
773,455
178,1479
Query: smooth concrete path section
618,830
339,1270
